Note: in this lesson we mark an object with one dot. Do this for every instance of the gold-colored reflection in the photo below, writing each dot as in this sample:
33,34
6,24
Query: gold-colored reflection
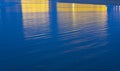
35,5
34,1
80,7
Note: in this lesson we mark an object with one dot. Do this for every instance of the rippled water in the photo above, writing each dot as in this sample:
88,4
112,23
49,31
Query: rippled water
59,41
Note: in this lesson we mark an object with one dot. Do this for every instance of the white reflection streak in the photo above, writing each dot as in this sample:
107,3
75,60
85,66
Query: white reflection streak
73,7
73,14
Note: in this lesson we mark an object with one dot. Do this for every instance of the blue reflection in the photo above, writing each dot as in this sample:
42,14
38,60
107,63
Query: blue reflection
59,41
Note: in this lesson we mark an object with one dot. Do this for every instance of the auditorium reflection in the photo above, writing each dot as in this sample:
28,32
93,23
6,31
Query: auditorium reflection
65,31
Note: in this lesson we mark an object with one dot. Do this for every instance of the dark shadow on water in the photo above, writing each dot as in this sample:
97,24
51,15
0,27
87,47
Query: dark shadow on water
113,24
11,36
53,19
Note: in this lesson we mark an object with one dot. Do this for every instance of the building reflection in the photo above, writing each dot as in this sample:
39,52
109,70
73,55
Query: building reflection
36,17
68,7
35,6
75,24
50,10
64,23
63,30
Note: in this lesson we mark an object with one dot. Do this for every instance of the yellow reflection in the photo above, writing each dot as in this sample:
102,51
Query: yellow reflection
80,7
34,1
35,5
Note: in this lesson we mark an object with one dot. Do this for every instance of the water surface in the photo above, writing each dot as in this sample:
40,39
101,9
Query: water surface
76,37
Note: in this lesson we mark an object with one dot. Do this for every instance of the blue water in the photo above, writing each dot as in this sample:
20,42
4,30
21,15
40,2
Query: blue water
59,41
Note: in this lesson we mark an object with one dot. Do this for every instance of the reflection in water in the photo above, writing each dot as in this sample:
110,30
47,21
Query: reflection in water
59,39
50,37
36,16
67,7
35,5
78,26
34,22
